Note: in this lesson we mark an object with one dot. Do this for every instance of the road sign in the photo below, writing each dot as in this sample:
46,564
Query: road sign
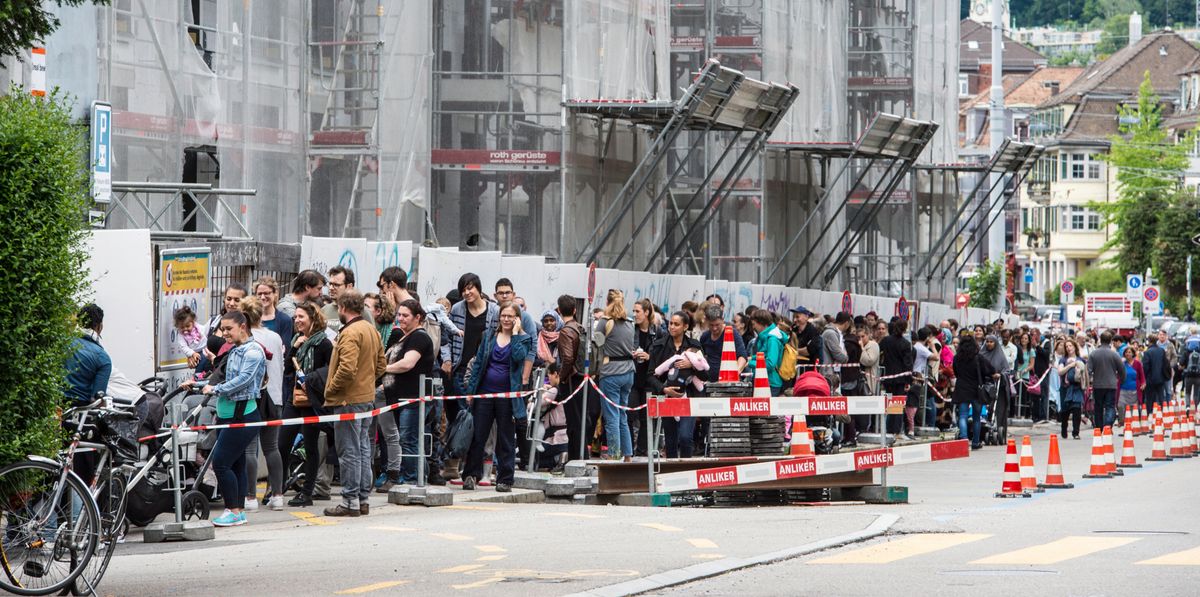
847,302
902,308
101,152
1028,275
1151,294
1134,286
1067,292
592,280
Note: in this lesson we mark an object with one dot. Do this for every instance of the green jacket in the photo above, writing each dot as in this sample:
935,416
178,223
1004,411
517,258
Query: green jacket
770,342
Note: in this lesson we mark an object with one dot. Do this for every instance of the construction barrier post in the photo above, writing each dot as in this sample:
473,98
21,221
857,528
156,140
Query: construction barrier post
424,395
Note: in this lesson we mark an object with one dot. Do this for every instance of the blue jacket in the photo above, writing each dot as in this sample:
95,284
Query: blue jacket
521,350
1154,363
88,370
244,373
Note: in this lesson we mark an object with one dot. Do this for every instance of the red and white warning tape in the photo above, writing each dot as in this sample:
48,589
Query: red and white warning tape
809,466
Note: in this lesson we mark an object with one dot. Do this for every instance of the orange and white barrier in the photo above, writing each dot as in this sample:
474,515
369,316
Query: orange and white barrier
729,364
1110,460
809,466
802,438
661,406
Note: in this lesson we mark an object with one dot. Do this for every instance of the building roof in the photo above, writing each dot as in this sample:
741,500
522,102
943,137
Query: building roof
1027,91
1162,53
1017,57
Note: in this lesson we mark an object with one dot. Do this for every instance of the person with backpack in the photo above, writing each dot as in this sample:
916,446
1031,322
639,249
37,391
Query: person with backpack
1191,367
771,342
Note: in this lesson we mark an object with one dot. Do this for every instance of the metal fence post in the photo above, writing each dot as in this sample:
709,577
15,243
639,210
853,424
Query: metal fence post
421,456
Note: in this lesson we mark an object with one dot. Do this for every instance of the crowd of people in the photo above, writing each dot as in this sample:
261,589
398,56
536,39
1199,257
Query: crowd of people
270,355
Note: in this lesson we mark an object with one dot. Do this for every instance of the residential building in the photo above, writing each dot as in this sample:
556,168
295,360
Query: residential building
975,58
1062,234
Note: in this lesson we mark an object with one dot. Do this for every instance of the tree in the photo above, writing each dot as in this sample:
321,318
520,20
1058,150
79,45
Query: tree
1093,279
44,183
1103,10
1149,169
26,23
985,285
1173,243
1114,35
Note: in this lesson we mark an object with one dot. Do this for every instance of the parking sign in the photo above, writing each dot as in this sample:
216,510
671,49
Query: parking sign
1067,292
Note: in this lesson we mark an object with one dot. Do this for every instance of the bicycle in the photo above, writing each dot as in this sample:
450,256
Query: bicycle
49,518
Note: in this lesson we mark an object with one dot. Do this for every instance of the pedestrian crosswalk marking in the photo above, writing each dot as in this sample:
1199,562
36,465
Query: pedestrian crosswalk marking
1067,548
373,587
451,536
1187,557
660,527
491,558
898,549
702,543
491,548
482,583
573,515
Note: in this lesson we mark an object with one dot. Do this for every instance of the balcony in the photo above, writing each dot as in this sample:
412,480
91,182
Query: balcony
1037,241
1039,191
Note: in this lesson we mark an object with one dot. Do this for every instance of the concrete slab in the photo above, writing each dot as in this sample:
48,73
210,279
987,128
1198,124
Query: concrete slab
188,530
561,487
644,499
525,480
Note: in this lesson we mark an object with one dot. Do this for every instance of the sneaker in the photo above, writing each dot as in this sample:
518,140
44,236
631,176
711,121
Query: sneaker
342,510
251,505
469,483
276,502
301,500
504,488
229,519
381,479
364,509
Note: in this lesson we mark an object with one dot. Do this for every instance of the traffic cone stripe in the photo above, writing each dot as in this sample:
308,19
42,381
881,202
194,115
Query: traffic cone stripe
1098,469
1110,461
1128,458
1028,473
802,440
762,388
1158,451
1054,470
729,368
1011,486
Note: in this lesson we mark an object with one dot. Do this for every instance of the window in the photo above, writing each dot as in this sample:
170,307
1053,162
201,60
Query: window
964,85
1081,166
1077,218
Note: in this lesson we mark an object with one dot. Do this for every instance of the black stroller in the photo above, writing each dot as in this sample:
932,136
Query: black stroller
151,492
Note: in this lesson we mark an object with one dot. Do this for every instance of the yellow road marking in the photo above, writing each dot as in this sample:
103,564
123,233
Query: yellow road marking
460,569
707,556
572,515
1067,548
451,536
660,527
493,558
394,529
311,518
1187,557
702,543
898,549
373,587
491,549
480,508
483,583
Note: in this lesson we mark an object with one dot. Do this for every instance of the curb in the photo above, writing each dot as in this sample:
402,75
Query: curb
696,572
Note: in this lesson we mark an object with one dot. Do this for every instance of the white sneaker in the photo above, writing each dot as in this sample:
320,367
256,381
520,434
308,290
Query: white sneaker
276,502
251,505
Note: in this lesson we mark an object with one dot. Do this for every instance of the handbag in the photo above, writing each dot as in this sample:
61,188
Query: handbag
988,390
460,435
300,397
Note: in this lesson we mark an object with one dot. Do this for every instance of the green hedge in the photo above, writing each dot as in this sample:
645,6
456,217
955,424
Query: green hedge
43,188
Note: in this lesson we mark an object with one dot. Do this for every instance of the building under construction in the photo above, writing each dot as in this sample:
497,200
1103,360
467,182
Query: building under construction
774,141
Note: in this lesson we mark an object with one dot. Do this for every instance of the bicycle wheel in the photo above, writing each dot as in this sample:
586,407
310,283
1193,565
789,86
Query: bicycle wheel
110,498
45,543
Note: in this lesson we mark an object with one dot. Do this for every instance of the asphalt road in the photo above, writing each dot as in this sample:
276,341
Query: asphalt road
953,538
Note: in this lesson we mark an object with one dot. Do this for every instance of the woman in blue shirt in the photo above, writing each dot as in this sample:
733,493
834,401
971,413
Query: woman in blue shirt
502,364
237,398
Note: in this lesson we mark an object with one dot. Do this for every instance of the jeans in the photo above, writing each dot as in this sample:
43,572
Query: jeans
228,459
1152,395
616,421
268,438
489,411
1191,389
679,436
1103,401
389,429
353,441
408,435
965,410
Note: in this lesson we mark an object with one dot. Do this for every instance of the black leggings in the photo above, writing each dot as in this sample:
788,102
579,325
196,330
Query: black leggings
287,438
1073,410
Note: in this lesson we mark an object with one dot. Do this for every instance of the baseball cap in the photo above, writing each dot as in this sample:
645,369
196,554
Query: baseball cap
801,309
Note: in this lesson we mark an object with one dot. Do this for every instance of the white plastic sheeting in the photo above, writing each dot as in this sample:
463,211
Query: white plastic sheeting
804,44
935,75
617,49
404,127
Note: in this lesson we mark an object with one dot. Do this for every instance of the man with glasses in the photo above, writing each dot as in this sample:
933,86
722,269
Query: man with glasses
340,279
506,293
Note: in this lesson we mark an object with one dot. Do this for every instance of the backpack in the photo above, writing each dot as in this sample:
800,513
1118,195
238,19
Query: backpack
787,364
597,356
434,329
1193,363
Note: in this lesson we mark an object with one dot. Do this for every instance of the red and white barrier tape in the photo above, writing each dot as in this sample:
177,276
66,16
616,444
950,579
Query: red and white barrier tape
809,466
609,400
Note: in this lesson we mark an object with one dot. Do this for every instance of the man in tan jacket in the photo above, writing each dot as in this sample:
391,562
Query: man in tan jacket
357,362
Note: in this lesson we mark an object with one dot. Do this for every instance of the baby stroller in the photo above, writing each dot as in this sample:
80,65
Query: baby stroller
827,438
151,492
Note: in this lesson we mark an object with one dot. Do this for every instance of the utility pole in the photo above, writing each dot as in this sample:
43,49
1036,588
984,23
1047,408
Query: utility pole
996,249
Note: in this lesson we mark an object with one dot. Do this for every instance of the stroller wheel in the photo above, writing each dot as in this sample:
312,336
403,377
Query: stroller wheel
195,506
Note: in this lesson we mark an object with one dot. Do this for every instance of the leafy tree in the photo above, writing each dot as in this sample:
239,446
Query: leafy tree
1093,279
1177,225
43,182
25,23
1114,35
985,285
1149,169
1104,10
1071,58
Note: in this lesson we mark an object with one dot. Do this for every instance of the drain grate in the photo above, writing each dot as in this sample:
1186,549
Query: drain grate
1014,572
1143,532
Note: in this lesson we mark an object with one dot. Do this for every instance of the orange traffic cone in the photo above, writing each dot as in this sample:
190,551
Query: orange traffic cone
1098,470
1177,434
1028,473
1011,486
1192,434
1054,471
729,365
802,439
1144,426
1110,460
1130,420
1128,458
762,387
1158,451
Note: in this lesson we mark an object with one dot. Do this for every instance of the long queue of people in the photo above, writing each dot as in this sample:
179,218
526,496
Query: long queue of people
301,351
